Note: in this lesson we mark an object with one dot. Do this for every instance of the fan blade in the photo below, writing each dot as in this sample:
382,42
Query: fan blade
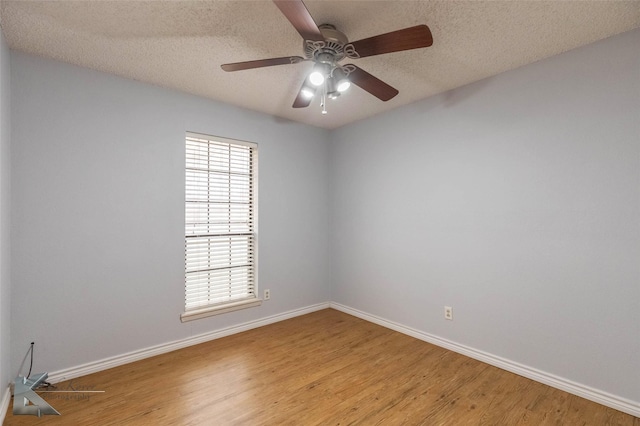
296,12
239,66
302,101
396,41
371,84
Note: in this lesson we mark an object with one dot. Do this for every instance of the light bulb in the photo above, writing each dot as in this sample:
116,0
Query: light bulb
316,78
307,92
343,85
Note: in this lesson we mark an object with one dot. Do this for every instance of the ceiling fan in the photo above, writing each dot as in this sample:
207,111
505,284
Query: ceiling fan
326,47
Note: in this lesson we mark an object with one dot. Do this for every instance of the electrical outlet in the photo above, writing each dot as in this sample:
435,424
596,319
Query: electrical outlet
267,294
448,313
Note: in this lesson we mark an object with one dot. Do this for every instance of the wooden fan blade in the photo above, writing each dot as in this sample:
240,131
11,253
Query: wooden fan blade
302,101
296,12
371,84
395,41
238,66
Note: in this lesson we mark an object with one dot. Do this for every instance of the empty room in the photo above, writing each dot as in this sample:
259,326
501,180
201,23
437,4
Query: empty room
314,212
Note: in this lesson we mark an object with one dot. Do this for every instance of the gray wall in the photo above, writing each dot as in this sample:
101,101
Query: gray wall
5,217
98,212
515,200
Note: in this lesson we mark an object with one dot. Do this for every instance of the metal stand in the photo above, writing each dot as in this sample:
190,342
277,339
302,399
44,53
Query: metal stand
24,393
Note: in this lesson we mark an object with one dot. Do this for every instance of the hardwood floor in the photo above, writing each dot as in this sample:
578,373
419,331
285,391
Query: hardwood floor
325,368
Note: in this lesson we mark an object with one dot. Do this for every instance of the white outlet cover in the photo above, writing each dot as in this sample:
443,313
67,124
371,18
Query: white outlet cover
448,312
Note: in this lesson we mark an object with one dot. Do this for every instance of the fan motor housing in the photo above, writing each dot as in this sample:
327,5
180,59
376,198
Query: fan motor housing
332,45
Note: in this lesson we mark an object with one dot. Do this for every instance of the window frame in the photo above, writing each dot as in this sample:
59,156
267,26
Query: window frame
231,305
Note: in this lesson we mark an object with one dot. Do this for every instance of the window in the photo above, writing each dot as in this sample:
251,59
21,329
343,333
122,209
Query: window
220,226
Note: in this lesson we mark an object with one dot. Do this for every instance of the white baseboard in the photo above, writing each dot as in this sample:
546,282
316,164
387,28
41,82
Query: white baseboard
604,398
104,364
4,404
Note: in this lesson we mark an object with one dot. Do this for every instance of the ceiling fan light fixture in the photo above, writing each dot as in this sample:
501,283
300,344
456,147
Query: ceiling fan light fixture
343,82
332,92
321,70
316,78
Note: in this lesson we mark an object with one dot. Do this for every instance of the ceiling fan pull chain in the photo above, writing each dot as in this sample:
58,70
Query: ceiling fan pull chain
323,99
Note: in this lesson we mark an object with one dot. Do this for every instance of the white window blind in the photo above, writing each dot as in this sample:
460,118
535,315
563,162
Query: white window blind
220,238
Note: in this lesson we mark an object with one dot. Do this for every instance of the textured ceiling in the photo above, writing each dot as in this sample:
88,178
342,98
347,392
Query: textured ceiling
181,44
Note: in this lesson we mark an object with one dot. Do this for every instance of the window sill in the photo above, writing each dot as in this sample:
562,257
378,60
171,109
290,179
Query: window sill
219,309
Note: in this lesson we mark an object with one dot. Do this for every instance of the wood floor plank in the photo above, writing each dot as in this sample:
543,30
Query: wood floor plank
325,368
